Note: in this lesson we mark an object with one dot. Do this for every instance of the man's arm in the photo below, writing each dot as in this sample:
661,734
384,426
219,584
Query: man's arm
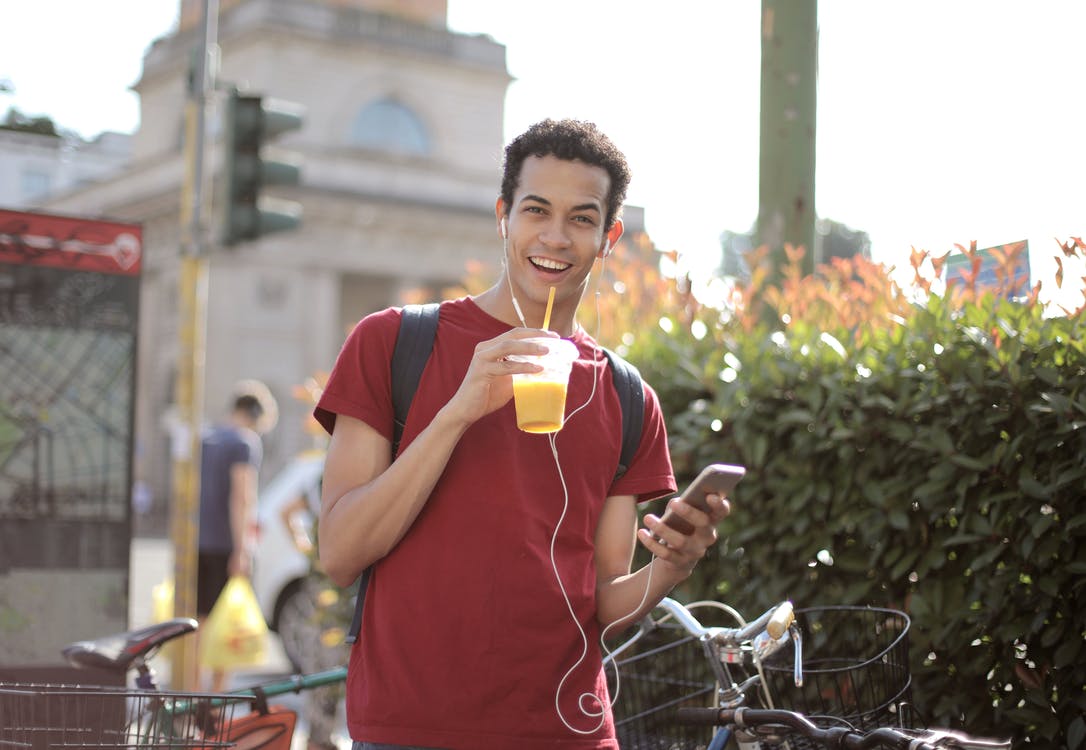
368,501
243,488
621,596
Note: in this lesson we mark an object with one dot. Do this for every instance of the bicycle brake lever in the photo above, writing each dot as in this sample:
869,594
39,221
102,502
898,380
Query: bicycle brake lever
797,664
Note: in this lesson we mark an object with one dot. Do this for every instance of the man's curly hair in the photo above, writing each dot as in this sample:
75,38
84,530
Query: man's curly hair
571,140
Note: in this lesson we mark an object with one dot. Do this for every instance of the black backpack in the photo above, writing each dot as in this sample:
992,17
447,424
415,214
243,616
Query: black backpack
415,341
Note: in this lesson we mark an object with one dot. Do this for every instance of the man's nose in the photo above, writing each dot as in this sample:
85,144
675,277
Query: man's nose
555,235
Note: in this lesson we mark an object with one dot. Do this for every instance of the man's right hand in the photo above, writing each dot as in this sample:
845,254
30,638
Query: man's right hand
488,383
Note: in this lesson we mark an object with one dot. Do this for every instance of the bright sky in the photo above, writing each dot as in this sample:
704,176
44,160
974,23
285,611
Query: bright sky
939,121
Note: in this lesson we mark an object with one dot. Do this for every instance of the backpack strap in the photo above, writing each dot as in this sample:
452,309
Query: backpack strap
631,397
414,343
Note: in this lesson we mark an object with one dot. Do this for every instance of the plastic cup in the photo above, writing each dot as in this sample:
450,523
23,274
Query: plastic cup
540,397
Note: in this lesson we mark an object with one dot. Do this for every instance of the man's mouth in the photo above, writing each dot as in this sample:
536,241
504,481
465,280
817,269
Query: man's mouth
548,265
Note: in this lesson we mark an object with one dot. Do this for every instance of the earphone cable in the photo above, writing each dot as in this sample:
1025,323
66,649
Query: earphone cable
585,698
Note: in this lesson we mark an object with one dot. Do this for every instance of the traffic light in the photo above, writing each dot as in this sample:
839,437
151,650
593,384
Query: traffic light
252,121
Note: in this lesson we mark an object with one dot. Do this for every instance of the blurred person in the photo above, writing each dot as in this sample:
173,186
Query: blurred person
498,557
230,456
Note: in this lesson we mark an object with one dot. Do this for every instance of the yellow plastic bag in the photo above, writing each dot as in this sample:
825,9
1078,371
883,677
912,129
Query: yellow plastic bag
162,610
162,600
235,634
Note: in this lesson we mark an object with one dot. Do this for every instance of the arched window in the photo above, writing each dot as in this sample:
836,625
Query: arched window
387,125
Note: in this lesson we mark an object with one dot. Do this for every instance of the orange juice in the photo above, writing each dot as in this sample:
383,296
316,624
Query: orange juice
540,404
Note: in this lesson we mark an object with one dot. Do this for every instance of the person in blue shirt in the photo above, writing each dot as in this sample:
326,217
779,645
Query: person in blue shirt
230,457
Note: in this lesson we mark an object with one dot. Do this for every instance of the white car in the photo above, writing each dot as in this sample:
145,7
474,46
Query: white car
279,568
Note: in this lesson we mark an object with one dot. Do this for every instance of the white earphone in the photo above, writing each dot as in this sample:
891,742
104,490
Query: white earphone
505,230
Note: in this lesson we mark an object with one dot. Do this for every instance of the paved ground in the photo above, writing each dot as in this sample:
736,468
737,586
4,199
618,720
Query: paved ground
151,563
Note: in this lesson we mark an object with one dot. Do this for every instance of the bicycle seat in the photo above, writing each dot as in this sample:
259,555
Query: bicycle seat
118,652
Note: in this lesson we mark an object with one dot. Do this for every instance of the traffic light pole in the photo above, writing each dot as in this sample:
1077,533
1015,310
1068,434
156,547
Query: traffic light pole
250,121
189,389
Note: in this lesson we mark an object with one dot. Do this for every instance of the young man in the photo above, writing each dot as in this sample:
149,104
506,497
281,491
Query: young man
482,540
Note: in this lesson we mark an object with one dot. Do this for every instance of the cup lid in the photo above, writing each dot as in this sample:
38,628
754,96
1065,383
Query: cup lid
563,348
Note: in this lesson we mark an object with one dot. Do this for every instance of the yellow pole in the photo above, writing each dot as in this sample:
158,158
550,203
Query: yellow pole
192,329
186,467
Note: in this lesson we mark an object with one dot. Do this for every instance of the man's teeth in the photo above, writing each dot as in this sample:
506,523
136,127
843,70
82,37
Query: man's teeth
550,265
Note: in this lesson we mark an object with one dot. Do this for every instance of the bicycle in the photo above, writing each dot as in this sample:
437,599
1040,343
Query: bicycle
44,716
678,678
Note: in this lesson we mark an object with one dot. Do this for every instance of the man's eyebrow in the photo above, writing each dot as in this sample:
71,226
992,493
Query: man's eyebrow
580,207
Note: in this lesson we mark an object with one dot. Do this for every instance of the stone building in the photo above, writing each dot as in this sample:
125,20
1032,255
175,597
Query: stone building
402,146
37,165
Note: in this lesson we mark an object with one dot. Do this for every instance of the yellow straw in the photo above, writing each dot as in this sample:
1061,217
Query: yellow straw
547,315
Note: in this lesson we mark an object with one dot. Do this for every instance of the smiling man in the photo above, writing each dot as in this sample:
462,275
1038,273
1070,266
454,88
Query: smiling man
498,557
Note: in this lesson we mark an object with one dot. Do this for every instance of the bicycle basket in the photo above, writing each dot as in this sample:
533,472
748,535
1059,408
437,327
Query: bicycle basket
665,670
42,717
855,667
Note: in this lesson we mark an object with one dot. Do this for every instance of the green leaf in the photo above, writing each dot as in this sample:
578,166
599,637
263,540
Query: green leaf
963,539
1076,733
1033,488
898,519
795,416
942,442
1041,525
987,557
968,462
1048,585
1066,653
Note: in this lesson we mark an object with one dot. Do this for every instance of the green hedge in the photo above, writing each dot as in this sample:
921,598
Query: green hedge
937,465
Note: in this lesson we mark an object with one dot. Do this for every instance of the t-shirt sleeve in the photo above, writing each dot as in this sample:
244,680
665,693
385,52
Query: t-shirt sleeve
251,451
650,475
359,385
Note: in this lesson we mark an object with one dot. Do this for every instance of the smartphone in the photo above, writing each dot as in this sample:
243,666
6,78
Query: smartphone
716,478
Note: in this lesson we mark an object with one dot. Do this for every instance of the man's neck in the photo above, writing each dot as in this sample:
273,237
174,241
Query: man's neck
498,303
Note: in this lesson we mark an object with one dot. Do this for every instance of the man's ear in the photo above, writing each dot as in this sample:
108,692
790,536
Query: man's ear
499,214
611,239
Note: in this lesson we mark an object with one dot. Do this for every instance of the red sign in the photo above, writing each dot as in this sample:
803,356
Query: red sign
71,243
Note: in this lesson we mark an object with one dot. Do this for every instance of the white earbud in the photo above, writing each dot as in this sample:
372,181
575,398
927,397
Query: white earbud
607,249
512,295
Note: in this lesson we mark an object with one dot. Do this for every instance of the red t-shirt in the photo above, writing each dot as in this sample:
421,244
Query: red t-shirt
466,635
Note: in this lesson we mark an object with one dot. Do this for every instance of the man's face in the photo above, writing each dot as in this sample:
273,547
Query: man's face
555,227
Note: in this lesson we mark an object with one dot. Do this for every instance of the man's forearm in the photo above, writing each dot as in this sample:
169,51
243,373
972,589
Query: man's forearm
624,600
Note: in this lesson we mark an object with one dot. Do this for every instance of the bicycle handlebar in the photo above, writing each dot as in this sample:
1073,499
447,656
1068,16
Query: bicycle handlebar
774,621
839,737
764,634
758,638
